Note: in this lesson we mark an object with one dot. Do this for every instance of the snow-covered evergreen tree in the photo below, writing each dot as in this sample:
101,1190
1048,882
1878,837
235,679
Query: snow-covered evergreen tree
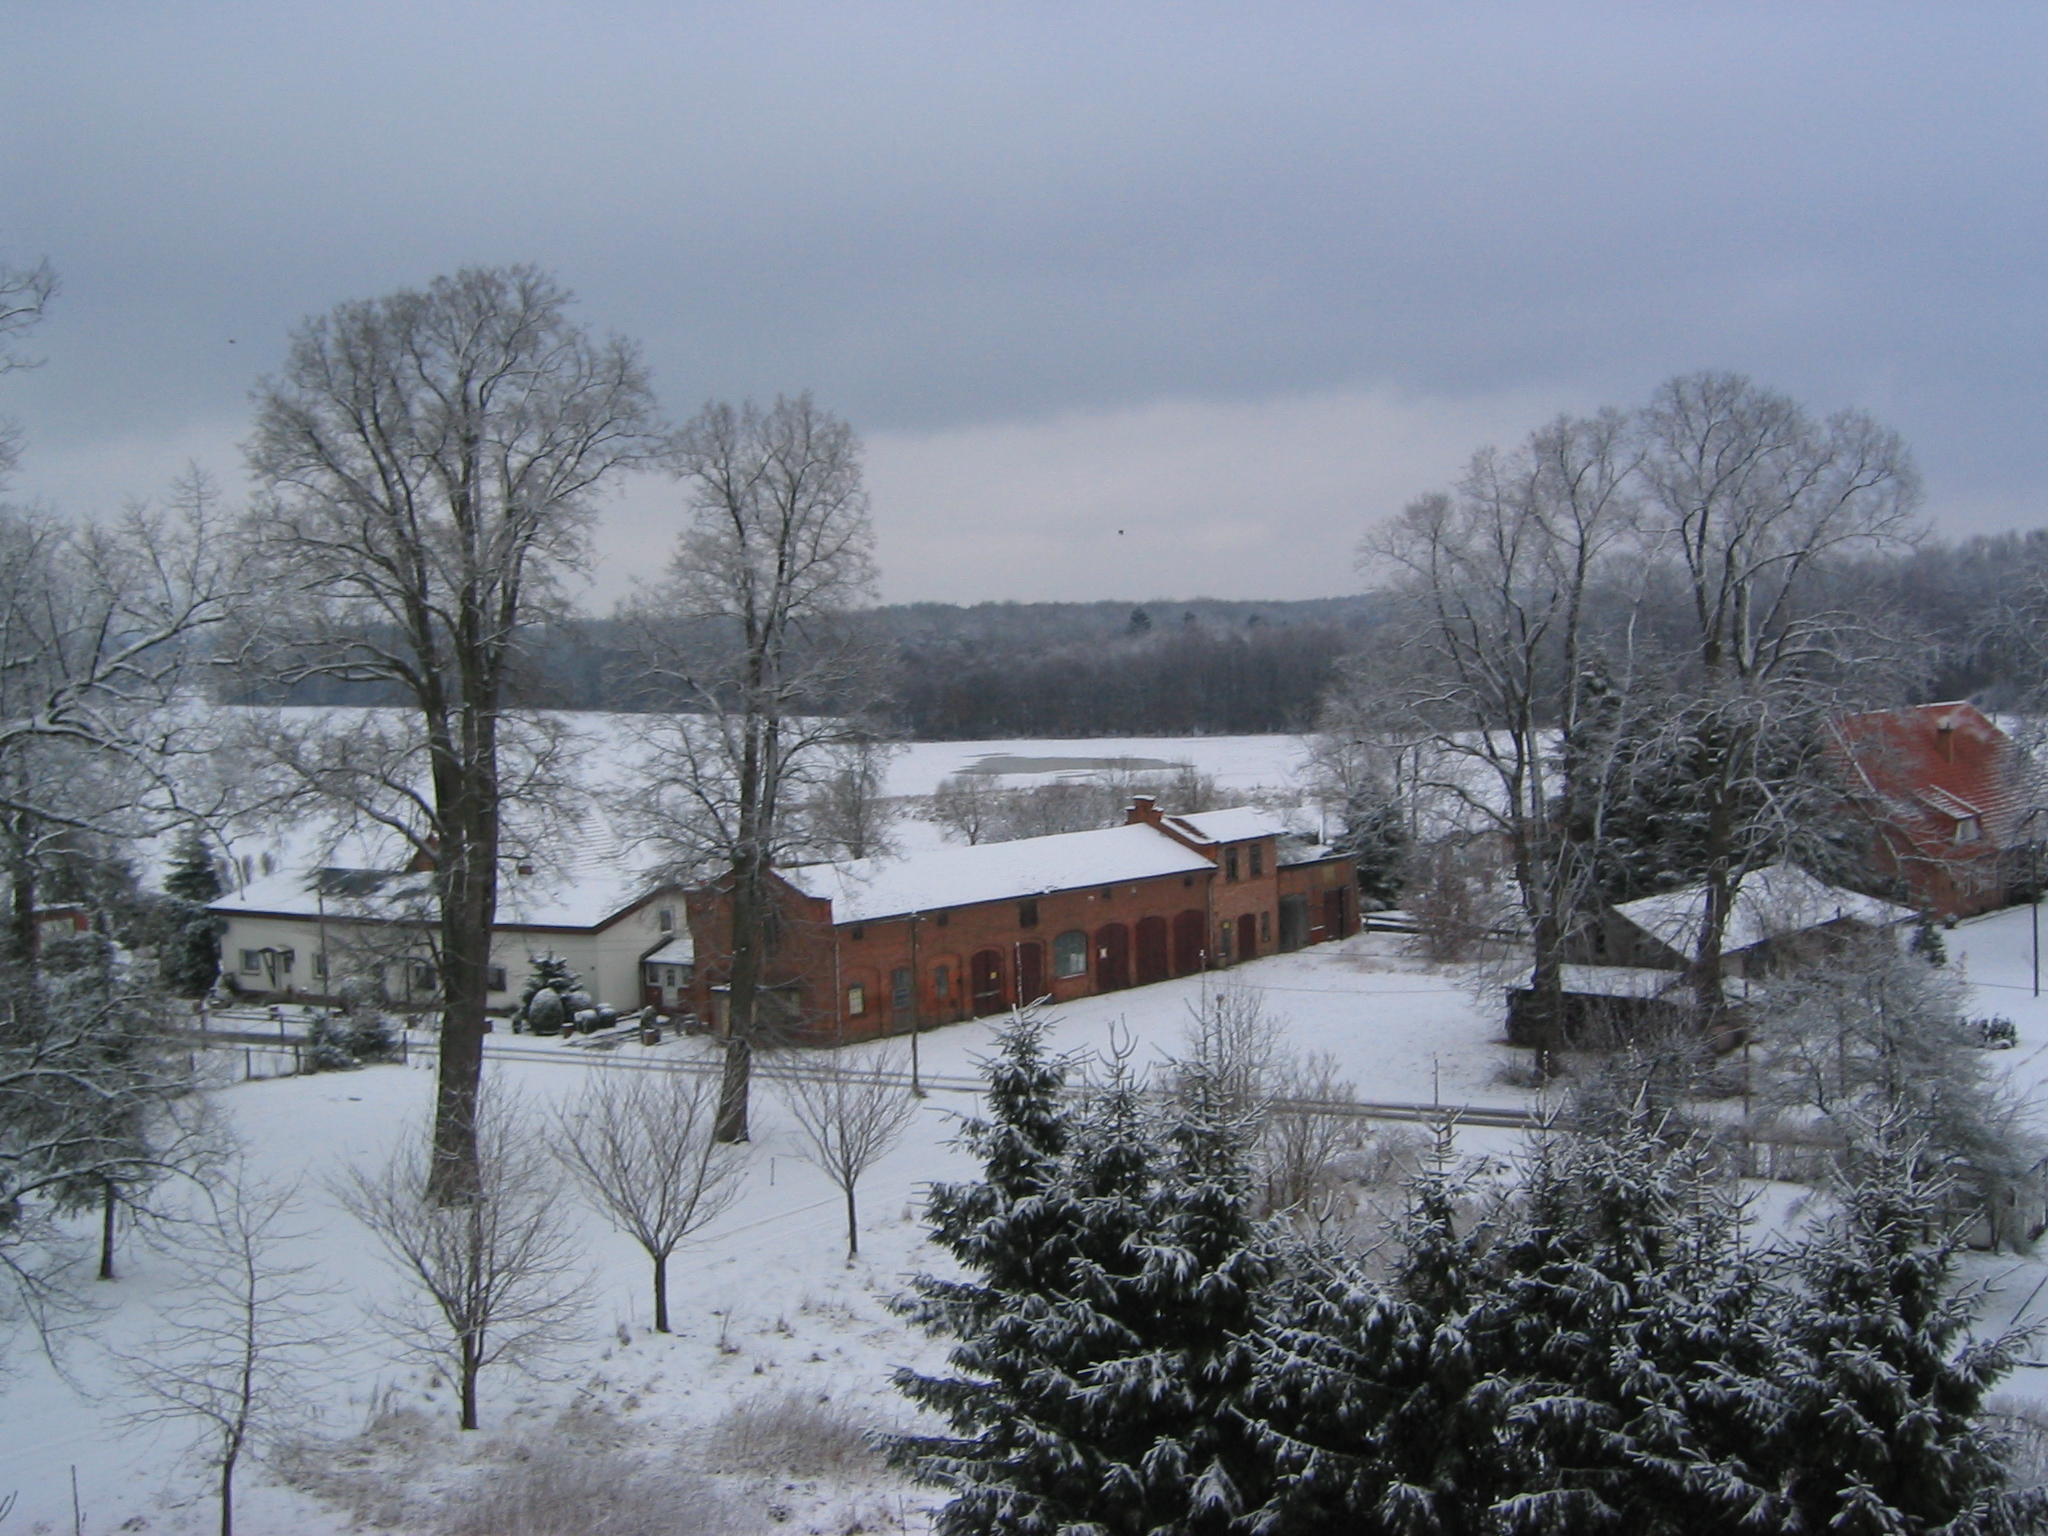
1102,1329
546,1015
191,951
1880,1423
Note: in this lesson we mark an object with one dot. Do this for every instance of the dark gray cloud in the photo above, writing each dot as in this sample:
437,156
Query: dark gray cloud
960,222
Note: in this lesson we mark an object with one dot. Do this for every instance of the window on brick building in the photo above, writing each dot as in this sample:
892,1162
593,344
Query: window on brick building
1027,914
856,1000
1230,863
940,918
1258,860
942,983
1070,953
899,988
1265,927
857,931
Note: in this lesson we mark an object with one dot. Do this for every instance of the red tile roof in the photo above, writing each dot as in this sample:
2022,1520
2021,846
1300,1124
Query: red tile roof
1941,777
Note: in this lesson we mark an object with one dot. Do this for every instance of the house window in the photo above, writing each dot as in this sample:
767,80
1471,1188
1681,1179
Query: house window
1027,914
1223,943
940,918
1070,953
857,931
666,919
494,979
420,977
856,1000
1265,927
1258,860
252,961
899,989
1230,864
320,964
942,983
1968,829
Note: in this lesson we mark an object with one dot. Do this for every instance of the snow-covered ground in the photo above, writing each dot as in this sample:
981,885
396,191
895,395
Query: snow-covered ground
766,1305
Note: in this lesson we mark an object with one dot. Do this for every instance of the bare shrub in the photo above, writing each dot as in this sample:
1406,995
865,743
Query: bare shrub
1309,1139
802,1434
1451,892
549,1487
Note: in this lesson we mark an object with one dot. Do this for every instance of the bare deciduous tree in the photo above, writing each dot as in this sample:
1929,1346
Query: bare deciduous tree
851,1107
1508,676
431,460
494,1277
765,663
640,1144
846,815
229,1361
1751,501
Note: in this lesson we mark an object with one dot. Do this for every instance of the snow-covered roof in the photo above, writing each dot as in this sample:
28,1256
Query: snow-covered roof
584,889
1235,825
864,890
1770,903
679,950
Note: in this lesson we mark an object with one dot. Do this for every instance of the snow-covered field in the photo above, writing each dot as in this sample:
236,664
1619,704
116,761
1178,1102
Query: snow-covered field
767,1307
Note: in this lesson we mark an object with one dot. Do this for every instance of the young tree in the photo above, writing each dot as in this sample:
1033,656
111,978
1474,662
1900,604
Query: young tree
968,805
640,1145
493,1278
851,1108
229,1361
431,461
846,816
191,951
766,668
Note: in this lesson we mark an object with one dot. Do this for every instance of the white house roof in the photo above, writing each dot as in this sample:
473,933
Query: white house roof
864,890
679,950
1235,825
584,889
1770,903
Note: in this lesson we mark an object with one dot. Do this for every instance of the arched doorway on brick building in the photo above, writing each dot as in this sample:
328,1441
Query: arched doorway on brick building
1152,950
1247,937
1030,972
1188,931
1112,958
985,977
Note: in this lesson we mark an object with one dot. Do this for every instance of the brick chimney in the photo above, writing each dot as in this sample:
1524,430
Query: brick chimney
1143,808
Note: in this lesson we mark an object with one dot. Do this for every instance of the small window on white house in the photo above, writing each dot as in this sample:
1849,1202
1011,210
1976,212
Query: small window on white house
494,979
666,917
320,964
252,961
420,977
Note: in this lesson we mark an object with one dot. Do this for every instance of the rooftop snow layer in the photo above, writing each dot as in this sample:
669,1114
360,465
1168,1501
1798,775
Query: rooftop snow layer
1769,903
1232,826
864,890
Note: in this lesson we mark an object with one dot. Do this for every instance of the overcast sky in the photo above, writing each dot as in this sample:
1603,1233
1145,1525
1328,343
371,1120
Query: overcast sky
1125,301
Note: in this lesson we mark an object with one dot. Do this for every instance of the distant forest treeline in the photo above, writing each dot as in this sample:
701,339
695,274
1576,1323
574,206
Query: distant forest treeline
1211,667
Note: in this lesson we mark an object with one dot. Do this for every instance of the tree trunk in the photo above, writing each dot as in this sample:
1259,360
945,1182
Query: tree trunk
732,1089
227,1494
661,1293
852,1226
468,859
107,1204
470,1367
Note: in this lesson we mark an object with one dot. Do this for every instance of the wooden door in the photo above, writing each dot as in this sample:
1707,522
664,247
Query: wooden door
1112,958
1247,937
1030,972
1152,950
1333,913
985,974
1188,931
1293,922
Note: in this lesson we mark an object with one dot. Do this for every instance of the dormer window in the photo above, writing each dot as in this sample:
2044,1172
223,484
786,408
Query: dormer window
1968,829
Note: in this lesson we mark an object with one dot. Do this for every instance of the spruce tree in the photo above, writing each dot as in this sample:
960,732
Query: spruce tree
1881,1427
190,960
1102,1334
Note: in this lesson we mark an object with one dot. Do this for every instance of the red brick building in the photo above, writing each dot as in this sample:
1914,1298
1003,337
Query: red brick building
878,946
1952,800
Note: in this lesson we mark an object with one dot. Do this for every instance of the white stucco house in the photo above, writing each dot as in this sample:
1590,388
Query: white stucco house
300,934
